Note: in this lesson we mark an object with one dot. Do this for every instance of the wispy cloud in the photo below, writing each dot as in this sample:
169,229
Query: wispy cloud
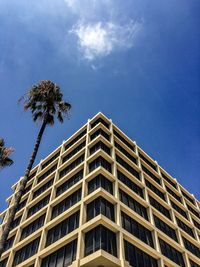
100,39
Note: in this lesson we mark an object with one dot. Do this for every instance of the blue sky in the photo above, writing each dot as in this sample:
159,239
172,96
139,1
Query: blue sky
136,61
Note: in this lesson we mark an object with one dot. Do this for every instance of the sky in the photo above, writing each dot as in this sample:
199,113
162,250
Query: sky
136,61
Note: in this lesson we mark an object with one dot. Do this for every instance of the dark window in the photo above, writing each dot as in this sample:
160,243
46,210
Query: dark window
155,178
165,228
99,162
43,188
100,206
66,203
69,183
134,187
132,147
148,161
194,264
137,257
100,238
21,205
71,166
75,139
26,252
99,132
133,204
32,227
193,211
168,180
137,229
173,194
32,175
191,247
73,152
177,208
171,253
100,181
3,262
63,228
127,167
185,227
42,203
62,257
155,189
9,243
27,189
100,120
188,197
99,145
16,222
128,155
159,207
50,160
47,173
196,224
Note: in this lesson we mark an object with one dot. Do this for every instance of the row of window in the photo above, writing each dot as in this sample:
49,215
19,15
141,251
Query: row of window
126,153
99,145
74,151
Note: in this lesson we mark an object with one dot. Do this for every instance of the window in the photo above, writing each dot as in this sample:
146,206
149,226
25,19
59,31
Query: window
137,229
69,183
47,173
100,181
188,197
72,166
26,252
134,187
32,227
155,178
196,224
191,247
21,205
127,167
43,188
171,253
63,228
73,152
99,145
100,161
66,203
100,238
193,211
165,228
168,180
148,161
42,203
99,132
9,243
185,227
177,208
132,147
192,263
16,222
173,194
50,160
159,207
100,206
100,120
73,141
3,262
155,189
137,257
32,175
62,257
133,204
27,189
128,155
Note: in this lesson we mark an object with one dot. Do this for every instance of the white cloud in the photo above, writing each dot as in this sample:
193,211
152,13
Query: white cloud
100,39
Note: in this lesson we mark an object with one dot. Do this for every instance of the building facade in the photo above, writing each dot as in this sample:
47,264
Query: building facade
99,200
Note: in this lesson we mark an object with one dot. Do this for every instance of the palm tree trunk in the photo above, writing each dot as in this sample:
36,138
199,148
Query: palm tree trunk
13,209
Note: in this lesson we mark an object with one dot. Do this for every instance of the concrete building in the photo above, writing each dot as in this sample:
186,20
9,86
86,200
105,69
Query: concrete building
99,200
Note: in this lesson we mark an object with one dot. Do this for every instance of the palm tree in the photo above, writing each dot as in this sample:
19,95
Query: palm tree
4,154
45,101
